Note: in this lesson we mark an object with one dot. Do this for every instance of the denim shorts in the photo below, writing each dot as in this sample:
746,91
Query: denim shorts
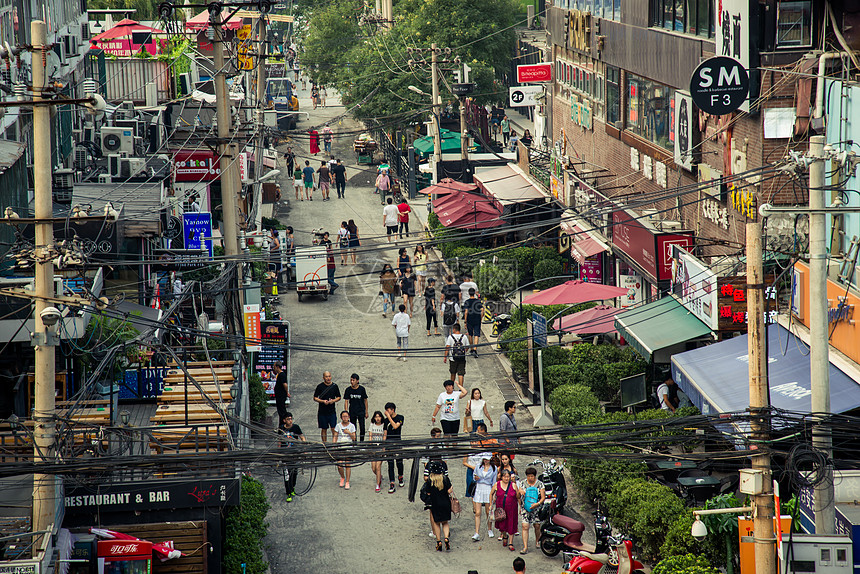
327,421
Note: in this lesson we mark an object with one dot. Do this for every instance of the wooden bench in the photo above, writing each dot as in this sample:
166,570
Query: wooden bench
175,413
177,395
182,439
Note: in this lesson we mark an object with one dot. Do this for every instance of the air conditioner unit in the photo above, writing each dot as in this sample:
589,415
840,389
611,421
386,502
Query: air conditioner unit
85,31
63,178
667,225
105,178
186,86
70,44
60,51
132,124
126,110
135,165
653,215
115,165
117,140
88,133
81,157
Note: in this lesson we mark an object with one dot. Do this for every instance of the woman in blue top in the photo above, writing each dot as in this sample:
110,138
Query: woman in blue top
485,477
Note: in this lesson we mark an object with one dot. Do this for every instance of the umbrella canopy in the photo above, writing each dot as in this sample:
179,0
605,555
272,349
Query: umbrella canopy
466,211
456,198
477,220
448,185
123,29
450,143
574,292
201,21
600,319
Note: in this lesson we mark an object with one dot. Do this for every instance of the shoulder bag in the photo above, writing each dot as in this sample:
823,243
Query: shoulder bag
499,514
455,505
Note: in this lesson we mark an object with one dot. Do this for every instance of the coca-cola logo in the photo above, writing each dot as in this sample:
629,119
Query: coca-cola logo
129,548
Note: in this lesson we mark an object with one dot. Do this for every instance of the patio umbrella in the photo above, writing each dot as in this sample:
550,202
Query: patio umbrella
447,186
450,143
456,198
472,216
123,29
574,292
463,206
600,319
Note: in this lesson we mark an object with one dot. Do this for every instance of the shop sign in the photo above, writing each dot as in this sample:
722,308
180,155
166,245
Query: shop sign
243,34
197,231
579,30
660,174
20,567
109,548
732,303
633,284
153,495
251,316
683,130
195,166
273,336
555,186
565,240
716,213
591,270
732,37
696,286
651,250
581,114
743,201
527,73
797,287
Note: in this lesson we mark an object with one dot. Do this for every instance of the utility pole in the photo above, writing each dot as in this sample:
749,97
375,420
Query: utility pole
261,106
44,495
819,337
229,168
765,542
437,108
464,140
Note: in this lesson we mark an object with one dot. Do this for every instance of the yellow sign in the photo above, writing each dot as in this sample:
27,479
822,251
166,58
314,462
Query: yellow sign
270,17
579,30
246,62
555,186
743,201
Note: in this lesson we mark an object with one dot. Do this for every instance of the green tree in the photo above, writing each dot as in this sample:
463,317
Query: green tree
245,529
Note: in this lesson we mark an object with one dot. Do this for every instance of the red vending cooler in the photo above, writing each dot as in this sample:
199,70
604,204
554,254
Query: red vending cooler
124,557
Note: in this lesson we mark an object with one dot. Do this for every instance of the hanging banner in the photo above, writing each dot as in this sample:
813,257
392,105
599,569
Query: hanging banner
732,38
684,130
252,327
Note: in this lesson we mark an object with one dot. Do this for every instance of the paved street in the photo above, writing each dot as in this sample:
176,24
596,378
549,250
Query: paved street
331,529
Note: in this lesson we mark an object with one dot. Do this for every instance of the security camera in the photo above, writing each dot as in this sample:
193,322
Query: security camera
699,530
50,316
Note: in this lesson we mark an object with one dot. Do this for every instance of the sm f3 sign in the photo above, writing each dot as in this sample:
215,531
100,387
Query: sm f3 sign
719,85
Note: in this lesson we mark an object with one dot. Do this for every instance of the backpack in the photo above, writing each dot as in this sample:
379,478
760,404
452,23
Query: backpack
449,315
458,351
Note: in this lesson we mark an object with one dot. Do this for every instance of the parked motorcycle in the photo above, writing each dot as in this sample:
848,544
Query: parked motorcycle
552,478
562,533
599,563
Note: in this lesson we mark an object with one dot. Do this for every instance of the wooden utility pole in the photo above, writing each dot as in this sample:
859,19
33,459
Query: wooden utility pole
437,107
261,107
765,542
44,493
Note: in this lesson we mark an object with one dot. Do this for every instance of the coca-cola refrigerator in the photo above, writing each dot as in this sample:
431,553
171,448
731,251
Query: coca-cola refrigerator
124,557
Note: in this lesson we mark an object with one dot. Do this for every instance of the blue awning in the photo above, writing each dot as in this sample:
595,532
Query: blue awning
716,377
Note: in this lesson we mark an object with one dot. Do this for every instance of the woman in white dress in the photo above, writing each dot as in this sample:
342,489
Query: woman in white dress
485,477
345,432
377,434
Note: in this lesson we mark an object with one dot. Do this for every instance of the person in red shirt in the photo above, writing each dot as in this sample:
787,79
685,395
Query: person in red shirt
403,218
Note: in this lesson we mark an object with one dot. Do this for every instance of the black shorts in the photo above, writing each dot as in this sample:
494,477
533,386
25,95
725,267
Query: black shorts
474,329
457,368
392,229
450,427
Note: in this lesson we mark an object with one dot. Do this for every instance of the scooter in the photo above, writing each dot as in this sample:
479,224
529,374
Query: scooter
552,478
562,533
594,563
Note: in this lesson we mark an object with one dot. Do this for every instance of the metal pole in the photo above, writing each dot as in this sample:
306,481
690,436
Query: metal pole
437,109
765,551
464,141
543,419
44,496
261,105
819,360
185,380
229,168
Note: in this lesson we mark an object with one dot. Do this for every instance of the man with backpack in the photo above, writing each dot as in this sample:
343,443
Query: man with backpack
456,345
474,308
450,312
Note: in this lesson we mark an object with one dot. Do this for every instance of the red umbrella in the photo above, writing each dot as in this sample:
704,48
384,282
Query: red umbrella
447,186
201,21
600,319
574,292
457,198
123,29
465,209
472,218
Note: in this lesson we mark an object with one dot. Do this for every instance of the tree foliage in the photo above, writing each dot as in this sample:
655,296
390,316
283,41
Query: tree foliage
245,529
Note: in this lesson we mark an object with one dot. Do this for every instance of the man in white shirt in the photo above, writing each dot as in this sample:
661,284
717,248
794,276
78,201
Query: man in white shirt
390,217
401,322
464,289
663,392
449,402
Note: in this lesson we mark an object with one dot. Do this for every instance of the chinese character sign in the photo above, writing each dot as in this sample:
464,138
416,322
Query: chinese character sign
733,33
252,327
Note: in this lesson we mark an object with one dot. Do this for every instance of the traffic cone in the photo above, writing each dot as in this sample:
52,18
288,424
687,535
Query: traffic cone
495,330
488,315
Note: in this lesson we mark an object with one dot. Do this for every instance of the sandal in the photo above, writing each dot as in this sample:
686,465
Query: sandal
524,551
511,547
505,540
439,545
447,545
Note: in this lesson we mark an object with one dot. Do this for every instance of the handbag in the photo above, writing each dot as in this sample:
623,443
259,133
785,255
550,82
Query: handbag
470,491
455,505
499,514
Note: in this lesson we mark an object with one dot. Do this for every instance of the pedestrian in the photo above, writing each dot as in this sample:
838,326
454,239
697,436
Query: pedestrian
323,95
355,396
451,289
195,204
326,394
464,289
403,260
345,432
403,218
327,134
519,566
282,390
514,140
291,433
298,181
331,163
436,494
533,495
339,172
314,141
296,69
430,306
383,184
275,252
308,174
449,402
506,129
476,409
354,239
377,434
289,245
330,264
507,423
387,283
389,219
419,264
290,159
485,476
324,177
664,395
450,312
393,429
504,497
435,434
474,308
527,138
506,463
315,95
401,323
455,353
343,241
407,288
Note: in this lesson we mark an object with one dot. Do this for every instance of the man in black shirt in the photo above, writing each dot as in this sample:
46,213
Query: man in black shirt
451,289
292,433
356,399
282,390
339,173
327,394
393,427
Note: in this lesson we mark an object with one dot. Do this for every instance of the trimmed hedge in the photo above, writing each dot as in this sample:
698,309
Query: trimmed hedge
686,564
573,404
245,529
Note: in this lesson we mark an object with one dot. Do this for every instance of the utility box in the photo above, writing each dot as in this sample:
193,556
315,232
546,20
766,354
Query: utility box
819,554
752,481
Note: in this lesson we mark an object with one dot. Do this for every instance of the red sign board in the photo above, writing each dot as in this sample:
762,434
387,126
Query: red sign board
534,73
124,548
198,165
652,250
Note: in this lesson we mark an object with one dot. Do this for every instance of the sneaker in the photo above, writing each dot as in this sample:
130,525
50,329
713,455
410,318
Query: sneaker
431,535
341,483
290,498
489,533
476,537
378,488
475,353
391,488
346,486
402,484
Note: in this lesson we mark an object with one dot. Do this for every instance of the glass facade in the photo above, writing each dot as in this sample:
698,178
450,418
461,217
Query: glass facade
684,16
649,110
608,9
613,95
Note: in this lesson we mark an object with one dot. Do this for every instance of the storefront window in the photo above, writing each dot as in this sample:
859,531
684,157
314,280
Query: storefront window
649,109
794,24
613,95
685,16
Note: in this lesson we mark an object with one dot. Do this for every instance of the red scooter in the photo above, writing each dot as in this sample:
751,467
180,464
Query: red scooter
588,563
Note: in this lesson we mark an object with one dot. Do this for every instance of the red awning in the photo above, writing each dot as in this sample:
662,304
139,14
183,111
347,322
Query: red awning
201,21
574,292
584,245
123,29
446,186
600,319
456,198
